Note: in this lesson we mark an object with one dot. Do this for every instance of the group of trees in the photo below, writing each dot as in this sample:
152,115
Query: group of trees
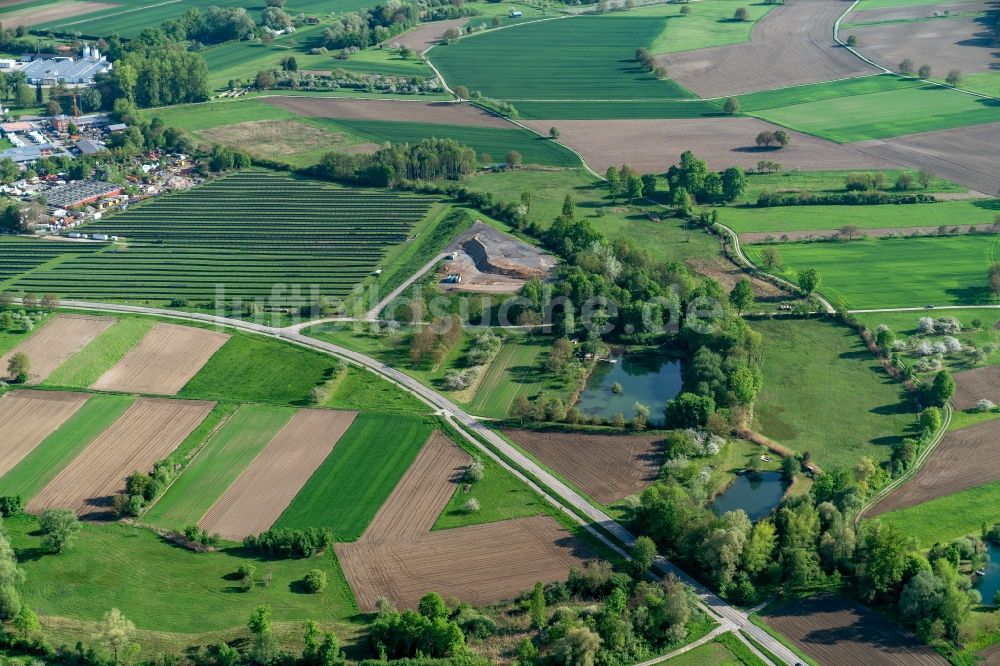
691,181
649,63
367,27
908,68
288,543
429,159
141,489
435,341
156,76
626,182
767,138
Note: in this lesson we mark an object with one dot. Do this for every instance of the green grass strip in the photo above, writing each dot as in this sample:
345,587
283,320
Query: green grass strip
739,649
58,449
226,454
86,367
773,658
348,489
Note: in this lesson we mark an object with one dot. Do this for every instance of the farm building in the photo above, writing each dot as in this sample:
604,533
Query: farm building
62,69
89,146
80,193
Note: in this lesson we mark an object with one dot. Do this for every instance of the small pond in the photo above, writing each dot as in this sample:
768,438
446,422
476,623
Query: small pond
649,378
757,493
990,583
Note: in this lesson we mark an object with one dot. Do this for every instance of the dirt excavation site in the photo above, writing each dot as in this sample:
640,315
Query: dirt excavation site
484,259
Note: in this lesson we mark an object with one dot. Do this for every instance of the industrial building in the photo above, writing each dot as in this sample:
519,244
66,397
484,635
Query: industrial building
68,70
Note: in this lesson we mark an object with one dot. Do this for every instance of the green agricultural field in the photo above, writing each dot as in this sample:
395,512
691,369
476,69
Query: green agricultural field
90,363
752,103
985,83
784,219
613,109
826,182
825,393
580,58
709,24
501,497
879,115
252,368
712,653
492,141
47,459
517,370
208,115
384,61
360,389
160,586
347,490
896,272
242,60
949,517
304,239
217,465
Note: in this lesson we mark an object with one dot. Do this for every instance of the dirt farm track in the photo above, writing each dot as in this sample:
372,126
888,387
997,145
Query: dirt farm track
399,558
835,630
964,459
791,45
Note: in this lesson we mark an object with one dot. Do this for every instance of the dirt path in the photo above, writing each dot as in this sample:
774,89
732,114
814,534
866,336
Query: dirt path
28,417
651,146
264,490
793,44
164,360
147,432
60,338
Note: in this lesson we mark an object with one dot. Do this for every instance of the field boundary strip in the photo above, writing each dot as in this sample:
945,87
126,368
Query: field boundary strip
109,15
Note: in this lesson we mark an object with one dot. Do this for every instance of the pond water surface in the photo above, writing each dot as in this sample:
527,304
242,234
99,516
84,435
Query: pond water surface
651,379
757,493
990,583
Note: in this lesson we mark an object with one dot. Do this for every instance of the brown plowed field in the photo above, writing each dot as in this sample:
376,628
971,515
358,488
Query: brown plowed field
964,43
28,417
262,492
965,155
835,630
400,559
60,338
443,113
30,16
478,564
971,386
793,44
606,467
727,274
426,35
147,432
965,459
650,146
421,495
164,360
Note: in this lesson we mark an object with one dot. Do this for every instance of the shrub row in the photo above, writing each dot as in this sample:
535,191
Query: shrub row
771,199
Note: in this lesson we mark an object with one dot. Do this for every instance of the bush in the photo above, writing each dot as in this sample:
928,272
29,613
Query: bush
290,543
315,580
11,505
985,405
474,472
850,198
471,505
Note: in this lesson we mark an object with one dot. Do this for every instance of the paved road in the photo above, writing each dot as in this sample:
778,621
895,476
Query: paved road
728,616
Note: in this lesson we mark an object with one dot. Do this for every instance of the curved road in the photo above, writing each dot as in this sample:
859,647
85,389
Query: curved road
728,616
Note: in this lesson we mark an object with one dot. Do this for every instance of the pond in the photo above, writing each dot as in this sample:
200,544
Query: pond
651,379
757,493
990,583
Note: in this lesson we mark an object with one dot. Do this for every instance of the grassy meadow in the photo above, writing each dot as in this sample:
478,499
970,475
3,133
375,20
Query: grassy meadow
826,182
895,272
825,393
949,517
709,23
347,490
217,465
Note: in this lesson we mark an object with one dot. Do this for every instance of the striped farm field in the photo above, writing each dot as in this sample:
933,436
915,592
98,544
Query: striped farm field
346,491
225,455
517,370
253,234
57,450
86,366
